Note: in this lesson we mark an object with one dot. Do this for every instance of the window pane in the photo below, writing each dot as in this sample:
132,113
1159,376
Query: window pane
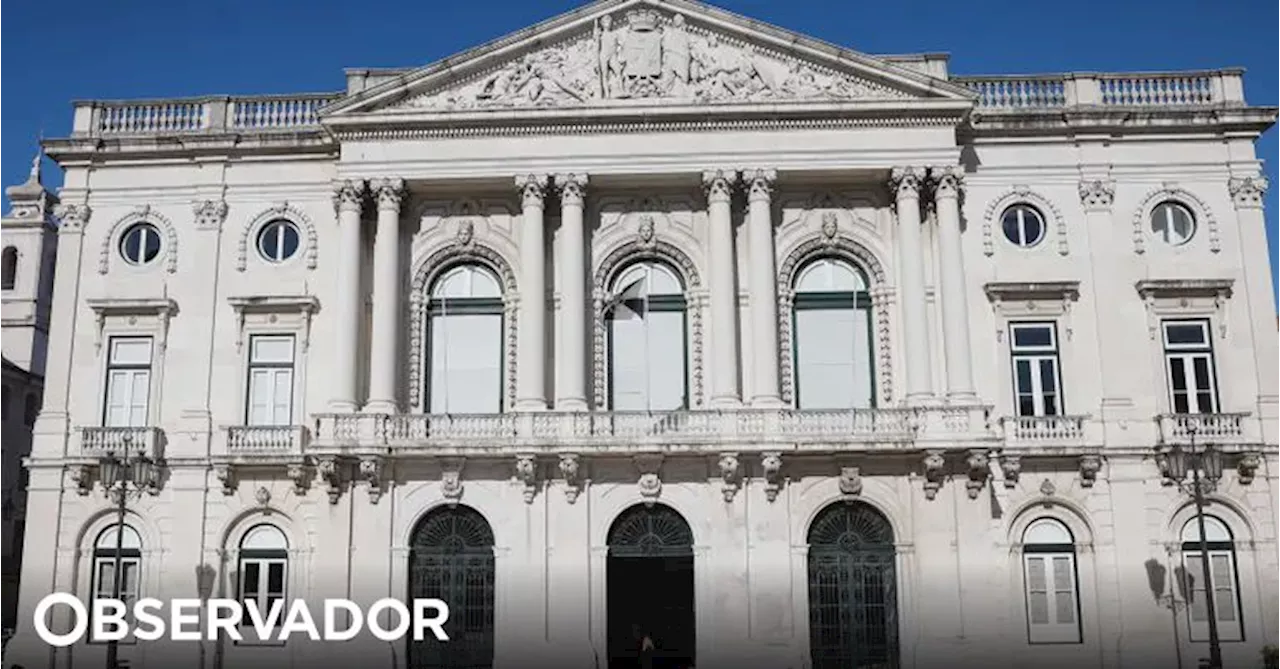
141,382
272,349
1064,595
1036,336
250,580
106,576
1037,592
260,389
1185,333
629,360
666,356
825,358
132,351
466,363
1012,231
1194,576
1224,586
275,578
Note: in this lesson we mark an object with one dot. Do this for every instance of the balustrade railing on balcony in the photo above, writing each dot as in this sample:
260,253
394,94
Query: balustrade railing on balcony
1209,428
262,113
96,441
1013,93
266,439
624,429
1044,430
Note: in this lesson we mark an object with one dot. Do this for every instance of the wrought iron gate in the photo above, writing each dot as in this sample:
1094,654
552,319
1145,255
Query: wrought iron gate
451,558
852,589
650,531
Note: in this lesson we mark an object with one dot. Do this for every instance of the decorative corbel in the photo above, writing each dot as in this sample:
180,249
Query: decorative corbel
771,464
1047,488
979,471
527,474
650,483
1248,466
1090,465
331,474
451,479
227,478
82,477
1011,467
730,475
571,471
1162,464
152,484
371,472
934,472
850,480
300,475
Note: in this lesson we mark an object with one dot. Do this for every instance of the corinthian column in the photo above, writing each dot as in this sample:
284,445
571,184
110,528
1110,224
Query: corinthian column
531,363
905,181
1247,194
764,298
383,351
348,198
724,317
572,385
947,182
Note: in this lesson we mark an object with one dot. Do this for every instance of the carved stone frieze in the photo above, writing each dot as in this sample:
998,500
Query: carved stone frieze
771,465
527,475
571,472
646,54
730,469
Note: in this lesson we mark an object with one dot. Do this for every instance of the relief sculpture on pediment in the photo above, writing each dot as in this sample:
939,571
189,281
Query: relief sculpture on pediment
646,55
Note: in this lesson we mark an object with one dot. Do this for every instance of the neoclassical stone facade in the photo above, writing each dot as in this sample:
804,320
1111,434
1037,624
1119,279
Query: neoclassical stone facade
657,317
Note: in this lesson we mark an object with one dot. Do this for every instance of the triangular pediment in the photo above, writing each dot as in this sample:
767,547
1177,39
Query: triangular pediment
649,54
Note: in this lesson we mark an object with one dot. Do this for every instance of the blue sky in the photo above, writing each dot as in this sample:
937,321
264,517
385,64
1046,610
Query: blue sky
56,52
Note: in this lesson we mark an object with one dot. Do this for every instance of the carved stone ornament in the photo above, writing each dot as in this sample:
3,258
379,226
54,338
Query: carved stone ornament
947,180
1165,469
1090,465
1097,194
451,479
527,475
934,472
850,481
310,251
72,217
771,465
905,182
830,226
371,473
759,183
466,233
573,188
646,54
226,476
1247,467
348,195
262,496
532,189
82,478
141,214
300,475
1047,488
650,482
719,184
210,214
389,192
730,475
1011,467
1248,192
979,470
331,473
645,231
571,471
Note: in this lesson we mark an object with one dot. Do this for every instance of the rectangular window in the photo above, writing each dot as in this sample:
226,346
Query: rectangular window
1188,353
1037,381
466,362
1227,607
104,574
128,382
270,380
262,581
1051,597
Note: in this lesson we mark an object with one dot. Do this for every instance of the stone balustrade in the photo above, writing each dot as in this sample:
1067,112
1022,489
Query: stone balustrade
262,113
1048,431
1209,428
1017,93
122,441
622,431
266,439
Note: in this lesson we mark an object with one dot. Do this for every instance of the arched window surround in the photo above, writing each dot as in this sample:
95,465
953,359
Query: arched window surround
143,214
611,268
1051,582
1225,551
9,268
461,251
671,300
1200,211
308,243
838,247
1055,222
1090,615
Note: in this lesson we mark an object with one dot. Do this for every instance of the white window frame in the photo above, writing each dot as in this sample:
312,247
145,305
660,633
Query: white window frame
1185,355
1022,209
852,301
1231,629
104,557
144,228
146,369
1053,631
438,310
264,559
667,302
1167,231
254,365
1034,355
280,224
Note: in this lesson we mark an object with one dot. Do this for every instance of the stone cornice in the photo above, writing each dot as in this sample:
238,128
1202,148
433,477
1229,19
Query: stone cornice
1066,123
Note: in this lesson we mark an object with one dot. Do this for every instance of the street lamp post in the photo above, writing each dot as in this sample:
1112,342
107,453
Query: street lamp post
117,474
1205,467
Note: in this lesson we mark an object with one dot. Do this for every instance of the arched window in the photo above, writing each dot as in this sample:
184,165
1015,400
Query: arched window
126,549
647,335
464,340
264,566
8,268
1049,578
832,325
1222,580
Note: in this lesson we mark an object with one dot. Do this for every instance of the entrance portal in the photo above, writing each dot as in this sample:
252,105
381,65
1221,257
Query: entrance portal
650,588
451,557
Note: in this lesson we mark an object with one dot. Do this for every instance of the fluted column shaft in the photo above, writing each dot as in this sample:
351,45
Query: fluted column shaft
571,392
531,370
349,201
764,298
947,182
384,351
915,318
724,302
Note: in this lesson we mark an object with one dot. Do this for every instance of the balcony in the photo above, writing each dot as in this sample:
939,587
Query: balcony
1047,431
1221,429
214,115
677,431
98,441
268,440
1019,93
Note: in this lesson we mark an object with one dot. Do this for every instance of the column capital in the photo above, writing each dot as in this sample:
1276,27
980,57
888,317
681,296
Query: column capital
1097,194
906,181
573,187
759,183
1247,192
533,188
389,191
73,217
947,180
719,184
348,194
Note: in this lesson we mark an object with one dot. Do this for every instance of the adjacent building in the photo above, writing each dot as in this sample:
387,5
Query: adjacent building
652,317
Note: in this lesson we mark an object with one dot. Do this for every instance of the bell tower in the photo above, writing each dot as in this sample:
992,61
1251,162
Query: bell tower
28,246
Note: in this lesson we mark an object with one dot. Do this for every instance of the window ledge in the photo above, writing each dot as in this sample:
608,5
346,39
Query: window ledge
1032,291
1181,298
1173,288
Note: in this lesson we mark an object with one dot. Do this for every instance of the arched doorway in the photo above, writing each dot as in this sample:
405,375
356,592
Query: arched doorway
853,613
650,587
451,558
